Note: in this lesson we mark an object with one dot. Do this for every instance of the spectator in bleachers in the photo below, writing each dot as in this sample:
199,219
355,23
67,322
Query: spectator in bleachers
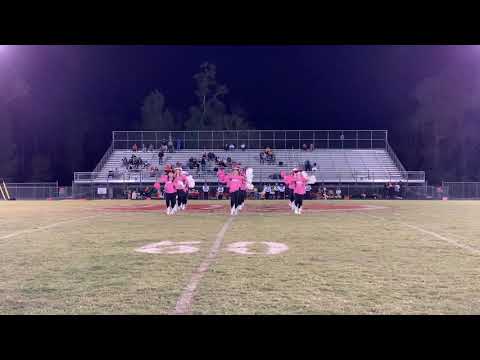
304,147
231,147
268,155
314,168
160,157
262,157
170,145
134,148
307,165
204,164
150,147
179,144
144,148
312,147
243,147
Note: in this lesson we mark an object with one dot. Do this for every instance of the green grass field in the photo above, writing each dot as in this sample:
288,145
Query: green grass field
76,257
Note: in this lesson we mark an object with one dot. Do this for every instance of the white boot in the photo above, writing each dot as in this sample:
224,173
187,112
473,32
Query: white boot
169,211
296,210
236,211
175,209
232,211
299,211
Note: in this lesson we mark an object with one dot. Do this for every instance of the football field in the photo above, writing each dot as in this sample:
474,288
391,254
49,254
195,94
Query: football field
338,257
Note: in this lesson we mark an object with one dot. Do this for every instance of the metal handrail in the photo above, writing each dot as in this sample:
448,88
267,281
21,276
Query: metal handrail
277,139
259,176
104,158
394,157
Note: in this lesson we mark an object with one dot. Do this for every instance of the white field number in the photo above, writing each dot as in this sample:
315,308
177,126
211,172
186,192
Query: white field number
189,247
170,247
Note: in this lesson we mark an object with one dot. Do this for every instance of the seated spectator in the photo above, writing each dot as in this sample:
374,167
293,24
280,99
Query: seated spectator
204,164
243,147
134,148
307,165
304,147
312,147
231,147
324,193
150,147
314,168
110,174
160,157
144,148
226,147
262,157
229,160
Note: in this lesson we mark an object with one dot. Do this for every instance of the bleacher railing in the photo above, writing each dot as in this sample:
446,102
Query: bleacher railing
253,139
260,176
104,159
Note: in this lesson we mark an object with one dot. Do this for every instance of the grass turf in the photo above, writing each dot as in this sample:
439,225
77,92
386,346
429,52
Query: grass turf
371,262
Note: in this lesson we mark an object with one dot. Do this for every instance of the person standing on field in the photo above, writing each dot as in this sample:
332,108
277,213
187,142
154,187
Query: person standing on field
267,190
205,189
220,192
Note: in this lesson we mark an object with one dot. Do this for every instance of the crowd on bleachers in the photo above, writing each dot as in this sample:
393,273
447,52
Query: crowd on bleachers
267,156
135,163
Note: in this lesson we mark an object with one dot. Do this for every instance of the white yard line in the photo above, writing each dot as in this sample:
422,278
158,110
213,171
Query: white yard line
184,302
46,227
434,234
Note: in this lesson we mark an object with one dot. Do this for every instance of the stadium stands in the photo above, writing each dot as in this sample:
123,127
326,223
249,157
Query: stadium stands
337,165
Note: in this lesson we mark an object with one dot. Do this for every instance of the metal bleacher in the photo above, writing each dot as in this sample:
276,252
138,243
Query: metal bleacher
355,158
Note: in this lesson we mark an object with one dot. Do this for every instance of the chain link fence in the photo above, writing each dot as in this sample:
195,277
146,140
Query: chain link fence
96,191
461,190
32,191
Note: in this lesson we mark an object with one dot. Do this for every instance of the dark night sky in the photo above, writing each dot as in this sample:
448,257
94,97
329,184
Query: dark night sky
280,87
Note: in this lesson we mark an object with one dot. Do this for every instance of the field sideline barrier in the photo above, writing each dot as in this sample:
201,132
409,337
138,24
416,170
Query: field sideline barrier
32,191
3,194
6,190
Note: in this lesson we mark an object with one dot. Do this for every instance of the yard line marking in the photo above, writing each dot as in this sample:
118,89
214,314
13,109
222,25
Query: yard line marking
184,303
29,231
434,234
